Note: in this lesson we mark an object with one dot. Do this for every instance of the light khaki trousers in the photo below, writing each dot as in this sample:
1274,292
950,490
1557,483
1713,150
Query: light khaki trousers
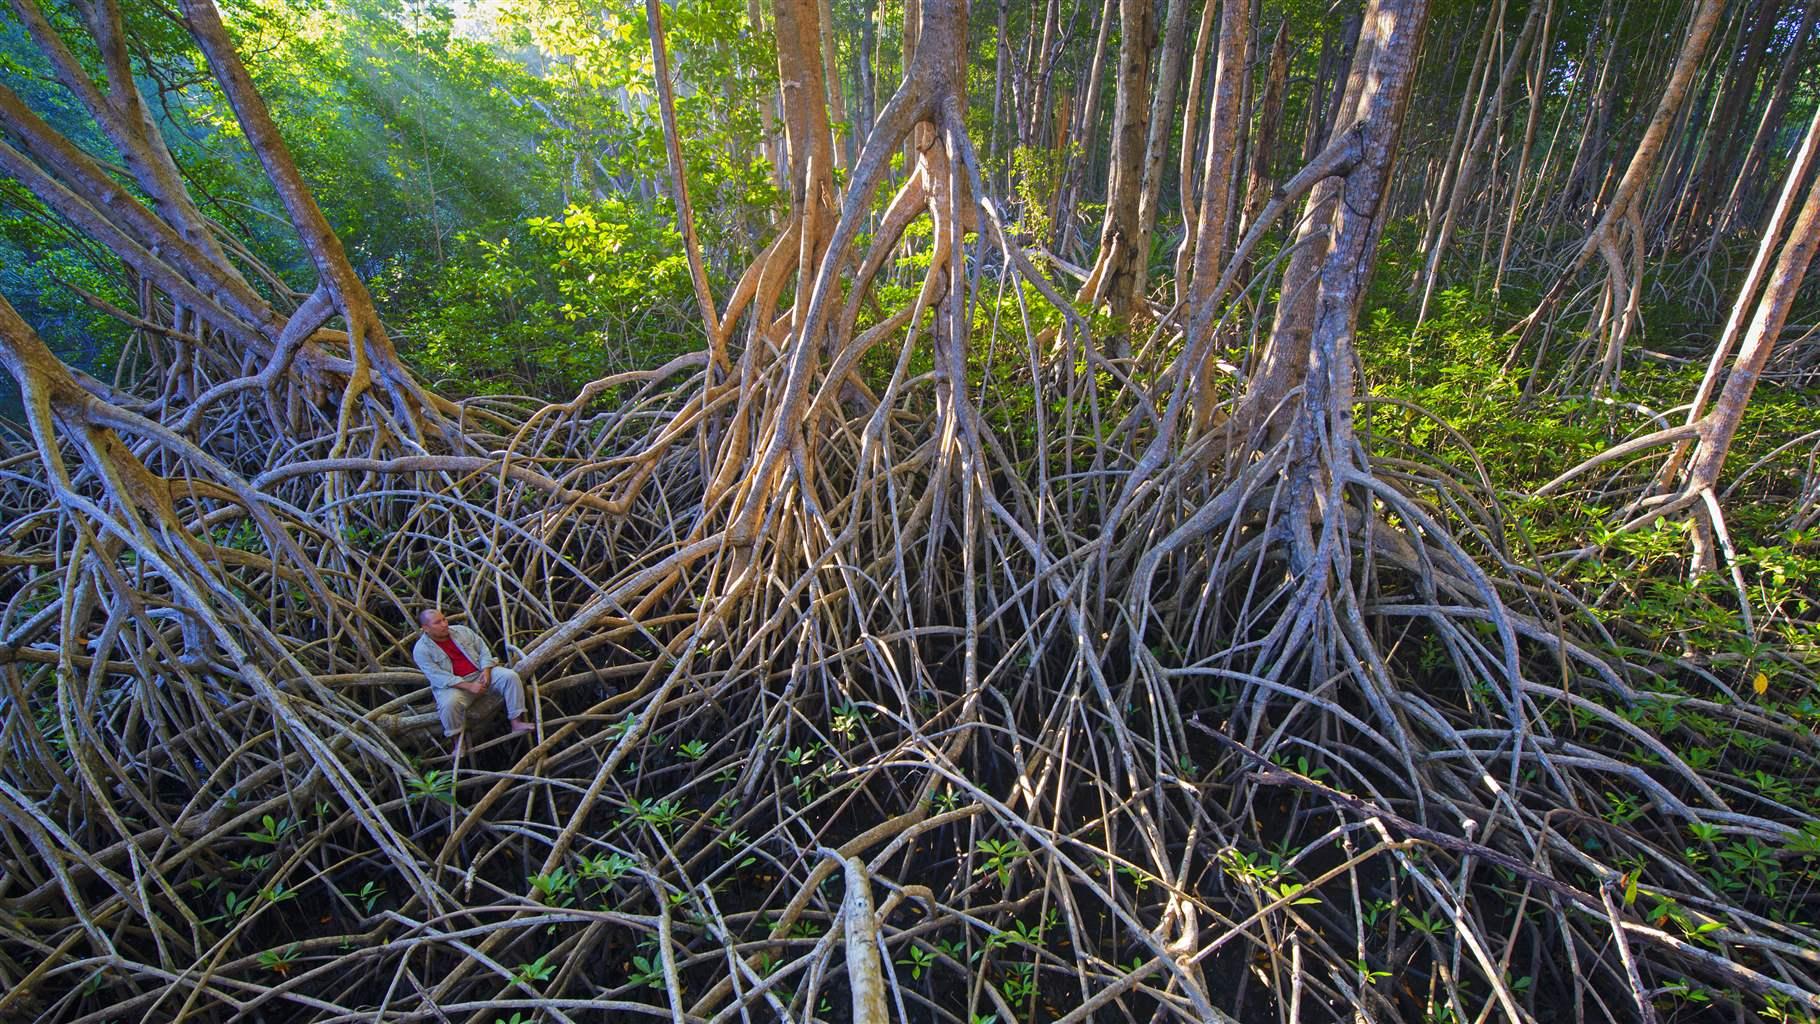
452,704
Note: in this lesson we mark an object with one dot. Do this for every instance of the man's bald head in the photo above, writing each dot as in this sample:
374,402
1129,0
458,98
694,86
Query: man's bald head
434,624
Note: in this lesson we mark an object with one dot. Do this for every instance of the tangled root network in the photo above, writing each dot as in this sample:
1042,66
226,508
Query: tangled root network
967,709
958,678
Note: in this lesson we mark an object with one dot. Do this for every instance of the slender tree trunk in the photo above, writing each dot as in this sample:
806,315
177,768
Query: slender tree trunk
1721,425
1316,107
1619,212
1623,212
868,66
1693,137
1537,79
837,105
1041,62
1589,155
912,32
1203,251
1720,159
1258,180
1751,168
1482,138
1024,87
1162,126
375,360
767,112
679,181
1189,161
1123,244
1471,101
1799,173
1325,114
1085,128
1000,48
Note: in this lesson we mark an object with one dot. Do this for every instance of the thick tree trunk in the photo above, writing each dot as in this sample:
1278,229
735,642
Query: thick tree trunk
123,116
923,114
1283,362
806,127
1395,30
1322,455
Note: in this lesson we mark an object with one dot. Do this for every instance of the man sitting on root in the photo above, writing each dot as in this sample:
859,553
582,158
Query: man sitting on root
460,667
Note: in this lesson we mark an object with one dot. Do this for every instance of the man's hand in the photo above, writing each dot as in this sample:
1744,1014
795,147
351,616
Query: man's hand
476,686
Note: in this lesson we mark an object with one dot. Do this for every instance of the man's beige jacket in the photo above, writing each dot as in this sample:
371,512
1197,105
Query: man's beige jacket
435,664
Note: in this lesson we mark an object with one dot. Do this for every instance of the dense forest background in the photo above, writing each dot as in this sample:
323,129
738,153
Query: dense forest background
1045,510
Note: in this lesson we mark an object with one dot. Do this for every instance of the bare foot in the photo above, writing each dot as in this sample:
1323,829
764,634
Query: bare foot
521,727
